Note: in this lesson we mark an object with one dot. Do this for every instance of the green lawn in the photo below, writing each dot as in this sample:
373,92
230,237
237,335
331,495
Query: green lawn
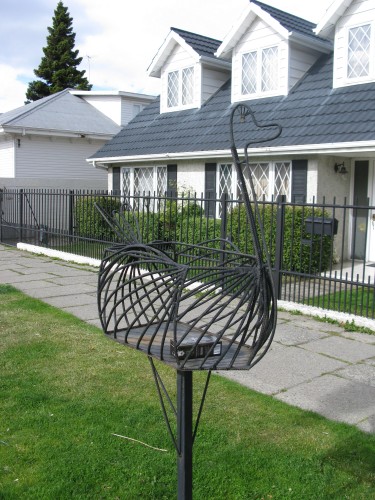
359,301
65,390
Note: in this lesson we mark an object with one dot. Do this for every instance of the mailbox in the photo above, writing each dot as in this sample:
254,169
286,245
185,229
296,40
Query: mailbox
321,225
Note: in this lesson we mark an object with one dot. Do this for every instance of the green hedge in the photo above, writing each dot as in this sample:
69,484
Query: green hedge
88,222
302,252
186,222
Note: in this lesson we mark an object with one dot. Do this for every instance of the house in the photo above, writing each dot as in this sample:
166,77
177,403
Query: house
317,81
45,144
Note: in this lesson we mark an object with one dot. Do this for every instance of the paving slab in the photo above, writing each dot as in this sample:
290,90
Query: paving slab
11,277
283,368
70,300
87,278
334,397
341,348
84,312
288,334
58,291
363,373
33,285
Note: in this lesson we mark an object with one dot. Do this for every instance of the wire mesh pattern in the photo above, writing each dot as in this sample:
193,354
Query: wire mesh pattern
195,307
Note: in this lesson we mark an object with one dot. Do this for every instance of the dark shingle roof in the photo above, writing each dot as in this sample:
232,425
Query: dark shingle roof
312,113
288,21
203,45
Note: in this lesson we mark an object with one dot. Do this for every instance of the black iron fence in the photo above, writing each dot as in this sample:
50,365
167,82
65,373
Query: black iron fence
322,254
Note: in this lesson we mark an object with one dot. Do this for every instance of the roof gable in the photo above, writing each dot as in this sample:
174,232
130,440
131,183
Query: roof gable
327,24
60,113
197,46
288,21
285,24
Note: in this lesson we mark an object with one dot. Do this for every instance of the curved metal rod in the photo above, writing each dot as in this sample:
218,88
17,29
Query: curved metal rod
243,110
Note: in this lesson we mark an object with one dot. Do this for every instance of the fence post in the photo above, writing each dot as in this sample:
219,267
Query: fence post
279,245
71,206
224,216
21,213
1,215
223,230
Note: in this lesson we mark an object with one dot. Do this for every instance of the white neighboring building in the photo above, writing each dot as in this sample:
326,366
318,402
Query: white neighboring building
45,144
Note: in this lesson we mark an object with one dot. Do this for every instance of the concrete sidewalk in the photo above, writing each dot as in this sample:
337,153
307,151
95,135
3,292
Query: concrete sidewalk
313,365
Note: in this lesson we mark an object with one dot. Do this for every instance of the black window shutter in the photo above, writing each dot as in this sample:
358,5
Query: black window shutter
210,189
172,181
116,178
299,181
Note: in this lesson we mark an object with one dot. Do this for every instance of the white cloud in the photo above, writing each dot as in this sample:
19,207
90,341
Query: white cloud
12,90
120,38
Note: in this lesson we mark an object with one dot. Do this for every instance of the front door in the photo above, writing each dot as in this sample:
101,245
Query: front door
360,215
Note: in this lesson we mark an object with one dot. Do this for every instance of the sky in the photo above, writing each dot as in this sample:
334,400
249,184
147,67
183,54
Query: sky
117,39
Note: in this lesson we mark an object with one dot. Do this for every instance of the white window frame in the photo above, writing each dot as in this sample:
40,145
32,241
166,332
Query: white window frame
182,75
371,73
260,71
271,186
130,171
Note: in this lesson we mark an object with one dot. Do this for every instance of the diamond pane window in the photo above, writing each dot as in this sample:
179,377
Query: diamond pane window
225,182
126,182
270,71
261,174
187,85
359,51
282,178
161,180
261,178
143,181
173,86
249,73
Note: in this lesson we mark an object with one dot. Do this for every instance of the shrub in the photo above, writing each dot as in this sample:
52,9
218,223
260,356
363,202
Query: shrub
302,252
88,222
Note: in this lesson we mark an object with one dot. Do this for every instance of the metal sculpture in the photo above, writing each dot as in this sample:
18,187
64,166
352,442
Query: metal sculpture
195,307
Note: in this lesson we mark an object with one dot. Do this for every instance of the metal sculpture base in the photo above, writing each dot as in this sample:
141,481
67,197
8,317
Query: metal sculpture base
200,306
185,433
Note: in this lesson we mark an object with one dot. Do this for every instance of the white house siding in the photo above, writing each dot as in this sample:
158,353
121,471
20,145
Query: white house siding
212,80
129,109
57,163
300,61
259,36
178,60
109,105
7,159
359,12
330,184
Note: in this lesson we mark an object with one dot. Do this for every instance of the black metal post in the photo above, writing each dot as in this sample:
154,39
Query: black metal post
1,215
280,220
21,213
71,207
184,434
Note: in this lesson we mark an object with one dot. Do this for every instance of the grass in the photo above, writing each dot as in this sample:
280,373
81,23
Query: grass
65,390
359,301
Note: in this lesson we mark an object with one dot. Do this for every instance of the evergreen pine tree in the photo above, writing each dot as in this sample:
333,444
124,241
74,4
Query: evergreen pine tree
58,68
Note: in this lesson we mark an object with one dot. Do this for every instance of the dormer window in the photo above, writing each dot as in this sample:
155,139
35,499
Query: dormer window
180,90
260,71
359,45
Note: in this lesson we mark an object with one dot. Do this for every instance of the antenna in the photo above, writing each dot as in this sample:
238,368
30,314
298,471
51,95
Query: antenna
89,60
